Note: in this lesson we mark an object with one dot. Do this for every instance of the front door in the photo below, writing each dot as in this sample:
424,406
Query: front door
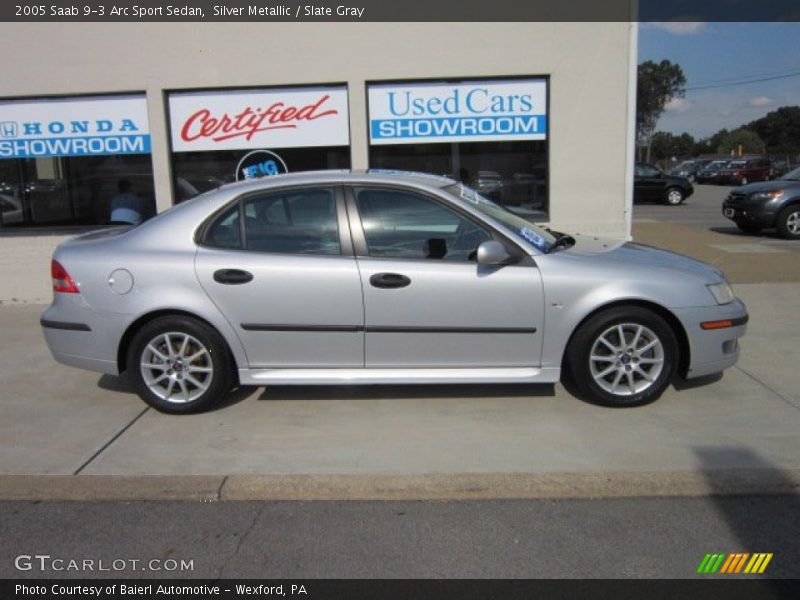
280,268
427,301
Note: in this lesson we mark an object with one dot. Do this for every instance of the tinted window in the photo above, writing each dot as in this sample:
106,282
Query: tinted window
293,222
401,224
225,232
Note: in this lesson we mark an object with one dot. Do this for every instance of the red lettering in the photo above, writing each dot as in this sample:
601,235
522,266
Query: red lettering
250,121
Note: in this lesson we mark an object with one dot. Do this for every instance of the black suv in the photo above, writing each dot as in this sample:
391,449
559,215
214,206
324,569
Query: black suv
652,185
767,204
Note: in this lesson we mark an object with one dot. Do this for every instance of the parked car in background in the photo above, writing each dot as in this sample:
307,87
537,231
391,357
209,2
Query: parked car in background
745,170
711,172
652,185
689,168
766,205
350,277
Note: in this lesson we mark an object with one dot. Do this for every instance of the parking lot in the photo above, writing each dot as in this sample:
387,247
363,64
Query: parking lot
730,434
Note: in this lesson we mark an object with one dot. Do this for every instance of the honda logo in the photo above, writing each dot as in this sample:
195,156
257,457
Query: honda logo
8,129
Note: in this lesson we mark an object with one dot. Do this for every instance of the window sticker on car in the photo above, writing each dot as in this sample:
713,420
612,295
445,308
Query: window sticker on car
534,238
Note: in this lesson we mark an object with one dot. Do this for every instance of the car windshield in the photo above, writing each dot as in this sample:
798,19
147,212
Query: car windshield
540,238
792,175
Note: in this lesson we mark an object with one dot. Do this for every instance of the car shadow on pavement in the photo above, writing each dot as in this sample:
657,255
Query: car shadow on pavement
399,392
690,384
736,232
115,383
765,520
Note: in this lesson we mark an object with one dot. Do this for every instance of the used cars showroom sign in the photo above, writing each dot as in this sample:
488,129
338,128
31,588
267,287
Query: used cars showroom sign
90,126
251,119
479,111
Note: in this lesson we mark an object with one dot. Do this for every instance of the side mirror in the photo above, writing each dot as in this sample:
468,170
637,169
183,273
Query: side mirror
493,254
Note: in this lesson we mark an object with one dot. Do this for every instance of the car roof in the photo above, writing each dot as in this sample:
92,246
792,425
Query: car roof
343,176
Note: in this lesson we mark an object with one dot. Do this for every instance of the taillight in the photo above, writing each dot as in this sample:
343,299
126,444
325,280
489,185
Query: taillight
62,282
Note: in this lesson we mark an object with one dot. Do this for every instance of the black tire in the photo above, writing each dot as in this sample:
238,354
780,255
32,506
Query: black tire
212,369
674,196
750,228
637,390
788,223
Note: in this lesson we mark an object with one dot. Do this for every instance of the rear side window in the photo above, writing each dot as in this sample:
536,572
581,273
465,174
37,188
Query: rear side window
291,222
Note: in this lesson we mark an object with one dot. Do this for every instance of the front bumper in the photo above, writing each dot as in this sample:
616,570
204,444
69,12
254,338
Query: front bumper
713,350
749,212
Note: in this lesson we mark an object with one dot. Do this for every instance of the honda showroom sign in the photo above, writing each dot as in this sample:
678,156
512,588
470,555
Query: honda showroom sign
90,126
274,118
480,111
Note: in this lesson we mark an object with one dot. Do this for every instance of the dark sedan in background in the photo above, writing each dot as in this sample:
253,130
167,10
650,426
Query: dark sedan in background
766,205
653,185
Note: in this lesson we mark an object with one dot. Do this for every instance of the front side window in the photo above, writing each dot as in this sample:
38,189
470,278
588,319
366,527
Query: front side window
404,224
291,222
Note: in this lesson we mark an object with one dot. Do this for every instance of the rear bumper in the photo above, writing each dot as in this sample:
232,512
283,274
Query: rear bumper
80,337
713,350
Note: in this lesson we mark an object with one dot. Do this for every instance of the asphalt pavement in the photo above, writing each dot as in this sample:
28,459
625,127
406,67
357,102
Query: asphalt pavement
600,538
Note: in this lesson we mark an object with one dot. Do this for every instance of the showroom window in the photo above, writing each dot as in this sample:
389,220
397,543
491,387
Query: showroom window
228,135
489,134
75,161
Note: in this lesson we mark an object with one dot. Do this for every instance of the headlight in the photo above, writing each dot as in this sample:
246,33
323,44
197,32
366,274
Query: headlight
722,292
771,195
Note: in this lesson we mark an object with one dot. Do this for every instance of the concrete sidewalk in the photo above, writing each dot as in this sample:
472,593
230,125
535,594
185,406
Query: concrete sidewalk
736,434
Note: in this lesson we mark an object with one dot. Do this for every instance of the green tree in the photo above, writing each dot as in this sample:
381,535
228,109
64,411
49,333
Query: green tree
656,85
780,130
666,145
747,140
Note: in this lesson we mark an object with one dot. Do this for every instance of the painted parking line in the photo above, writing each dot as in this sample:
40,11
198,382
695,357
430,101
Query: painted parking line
755,248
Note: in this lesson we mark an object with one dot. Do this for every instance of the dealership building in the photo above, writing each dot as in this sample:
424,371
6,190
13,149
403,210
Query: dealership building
537,116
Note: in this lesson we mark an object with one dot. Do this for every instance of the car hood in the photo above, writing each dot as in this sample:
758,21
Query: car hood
630,256
768,186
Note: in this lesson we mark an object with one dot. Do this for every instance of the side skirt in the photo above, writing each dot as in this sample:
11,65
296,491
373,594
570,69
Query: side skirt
397,376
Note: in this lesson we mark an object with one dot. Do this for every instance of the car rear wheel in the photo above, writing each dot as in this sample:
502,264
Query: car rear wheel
675,196
789,222
179,365
625,356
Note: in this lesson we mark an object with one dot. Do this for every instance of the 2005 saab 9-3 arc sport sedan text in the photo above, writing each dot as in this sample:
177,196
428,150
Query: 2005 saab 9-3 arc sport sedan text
339,277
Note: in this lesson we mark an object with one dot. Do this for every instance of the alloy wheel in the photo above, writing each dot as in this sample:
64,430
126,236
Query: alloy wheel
626,359
176,367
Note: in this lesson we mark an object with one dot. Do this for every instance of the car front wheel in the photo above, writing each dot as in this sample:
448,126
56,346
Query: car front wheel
789,222
675,196
625,356
179,365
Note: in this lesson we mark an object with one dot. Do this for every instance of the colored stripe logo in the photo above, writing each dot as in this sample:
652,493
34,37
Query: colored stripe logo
734,563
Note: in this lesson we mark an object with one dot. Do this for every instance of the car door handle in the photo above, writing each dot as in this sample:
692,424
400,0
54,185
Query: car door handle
389,280
232,276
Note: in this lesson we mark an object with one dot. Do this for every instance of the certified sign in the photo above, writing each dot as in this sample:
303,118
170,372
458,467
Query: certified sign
481,111
277,118
96,126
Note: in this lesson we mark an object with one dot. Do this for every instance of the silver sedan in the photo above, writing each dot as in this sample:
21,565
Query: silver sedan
345,277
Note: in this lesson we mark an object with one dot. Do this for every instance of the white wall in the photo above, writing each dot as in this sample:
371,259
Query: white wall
588,64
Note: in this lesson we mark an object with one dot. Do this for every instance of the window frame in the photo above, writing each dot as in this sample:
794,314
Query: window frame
342,224
359,238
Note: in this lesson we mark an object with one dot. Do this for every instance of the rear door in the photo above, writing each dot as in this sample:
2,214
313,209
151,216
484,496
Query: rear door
427,301
279,265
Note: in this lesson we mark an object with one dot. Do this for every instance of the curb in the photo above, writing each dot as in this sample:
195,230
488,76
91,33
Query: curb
461,486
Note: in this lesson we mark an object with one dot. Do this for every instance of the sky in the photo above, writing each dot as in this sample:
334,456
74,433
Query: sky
721,53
